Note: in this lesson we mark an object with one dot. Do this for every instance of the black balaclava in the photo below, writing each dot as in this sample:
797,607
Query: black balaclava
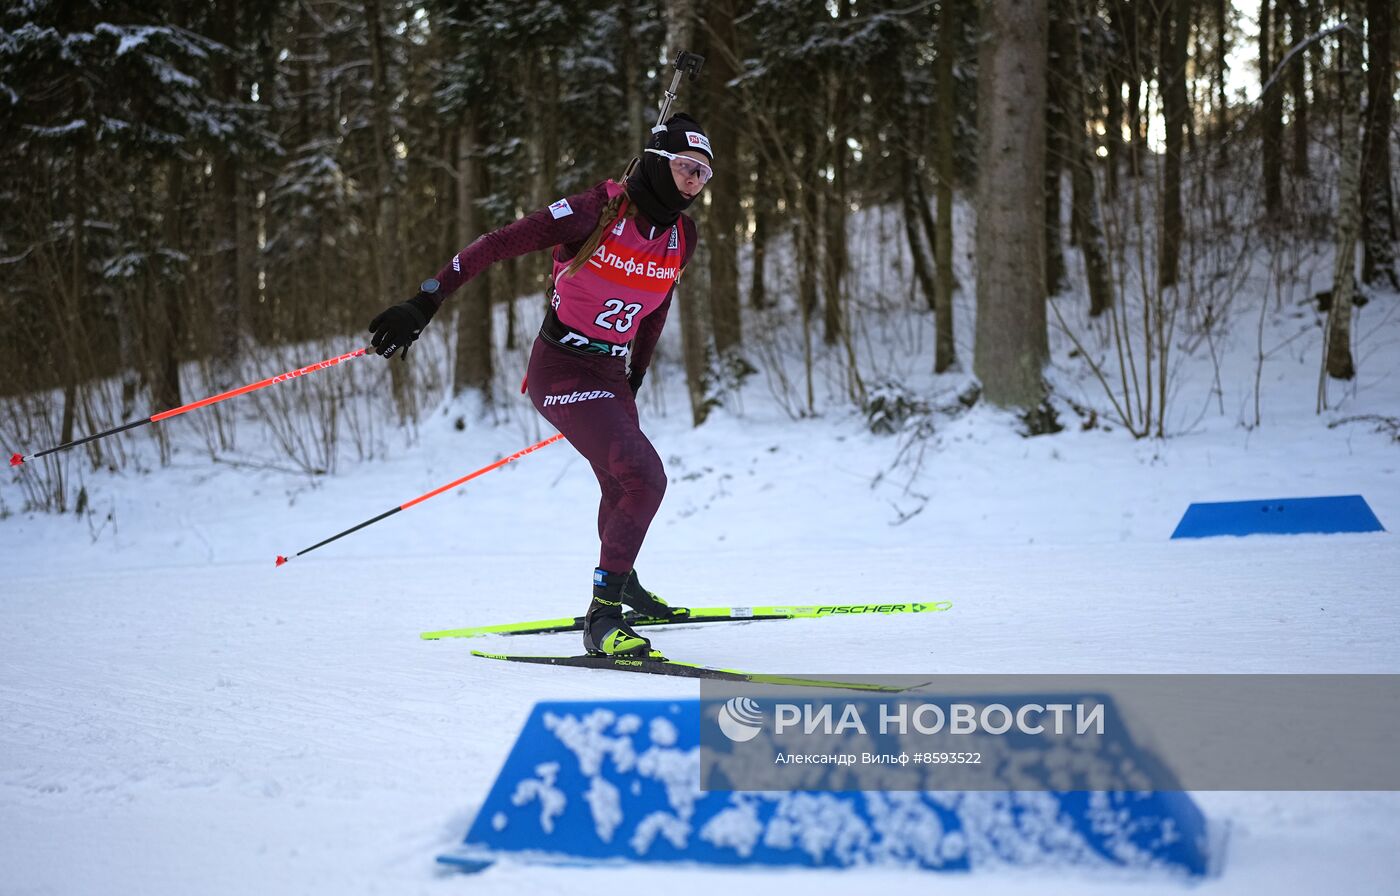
651,186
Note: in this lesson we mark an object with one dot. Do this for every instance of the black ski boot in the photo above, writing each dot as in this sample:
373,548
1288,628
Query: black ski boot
605,632
647,604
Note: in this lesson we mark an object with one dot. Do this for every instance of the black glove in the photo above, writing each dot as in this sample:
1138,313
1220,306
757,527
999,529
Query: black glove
399,325
634,380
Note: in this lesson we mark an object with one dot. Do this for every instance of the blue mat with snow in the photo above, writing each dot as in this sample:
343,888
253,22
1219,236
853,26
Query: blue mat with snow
1279,516
618,781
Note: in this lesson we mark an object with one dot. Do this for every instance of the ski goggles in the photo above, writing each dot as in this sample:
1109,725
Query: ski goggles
687,167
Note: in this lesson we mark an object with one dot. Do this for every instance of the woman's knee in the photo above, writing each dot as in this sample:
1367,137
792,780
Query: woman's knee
644,475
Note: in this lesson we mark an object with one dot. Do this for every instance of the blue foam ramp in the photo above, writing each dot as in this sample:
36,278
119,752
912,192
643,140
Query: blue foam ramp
619,781
1279,516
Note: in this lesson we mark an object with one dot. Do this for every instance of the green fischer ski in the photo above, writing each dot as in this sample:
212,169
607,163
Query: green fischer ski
696,615
662,666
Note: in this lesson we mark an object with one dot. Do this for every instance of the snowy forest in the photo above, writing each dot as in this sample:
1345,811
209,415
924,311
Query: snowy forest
195,196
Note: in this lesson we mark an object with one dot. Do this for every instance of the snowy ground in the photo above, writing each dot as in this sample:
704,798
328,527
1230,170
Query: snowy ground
179,716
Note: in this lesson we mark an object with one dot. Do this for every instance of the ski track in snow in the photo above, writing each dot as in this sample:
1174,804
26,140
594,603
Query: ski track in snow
289,728
178,716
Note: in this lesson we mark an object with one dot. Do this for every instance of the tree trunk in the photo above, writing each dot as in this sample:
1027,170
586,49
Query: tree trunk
527,66
834,218
1137,72
473,368
1088,218
301,277
388,233
1377,198
168,329
762,219
723,213
262,325
1339,363
1114,76
1222,49
919,250
1316,63
945,354
509,279
1056,57
696,339
304,47
225,293
71,320
925,209
922,252
1175,30
134,304
254,183
549,131
808,247
631,78
1195,51
1011,343
1298,86
1272,112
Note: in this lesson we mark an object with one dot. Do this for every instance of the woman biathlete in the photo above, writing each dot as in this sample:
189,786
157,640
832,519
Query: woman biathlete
618,251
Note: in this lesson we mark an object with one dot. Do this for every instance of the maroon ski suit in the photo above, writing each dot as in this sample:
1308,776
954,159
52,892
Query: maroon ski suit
578,371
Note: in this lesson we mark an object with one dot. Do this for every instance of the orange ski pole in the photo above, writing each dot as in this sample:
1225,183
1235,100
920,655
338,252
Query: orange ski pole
17,459
432,494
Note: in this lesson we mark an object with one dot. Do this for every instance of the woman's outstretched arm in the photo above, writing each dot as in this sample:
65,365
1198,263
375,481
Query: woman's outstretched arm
569,221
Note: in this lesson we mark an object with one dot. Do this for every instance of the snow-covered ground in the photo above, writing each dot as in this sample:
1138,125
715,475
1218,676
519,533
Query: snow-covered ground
177,715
